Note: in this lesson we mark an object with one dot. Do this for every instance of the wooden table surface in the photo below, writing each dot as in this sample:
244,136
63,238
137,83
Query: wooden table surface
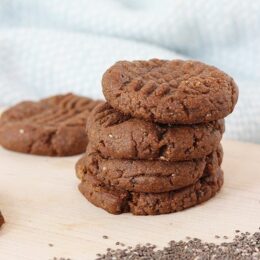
41,203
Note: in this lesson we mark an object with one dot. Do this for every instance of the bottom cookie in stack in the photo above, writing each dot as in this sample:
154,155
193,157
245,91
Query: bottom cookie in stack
118,201
148,187
2,221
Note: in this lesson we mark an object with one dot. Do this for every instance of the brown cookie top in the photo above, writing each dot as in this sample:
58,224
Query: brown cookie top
117,136
2,221
117,202
147,176
54,126
175,92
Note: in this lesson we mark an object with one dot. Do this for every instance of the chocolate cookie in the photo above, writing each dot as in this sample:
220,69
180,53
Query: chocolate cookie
117,202
175,92
54,126
122,137
2,221
147,176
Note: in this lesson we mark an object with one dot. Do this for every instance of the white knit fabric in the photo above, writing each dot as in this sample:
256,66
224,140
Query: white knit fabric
51,46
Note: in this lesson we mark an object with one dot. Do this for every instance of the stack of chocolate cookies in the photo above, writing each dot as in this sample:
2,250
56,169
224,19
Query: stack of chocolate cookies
154,147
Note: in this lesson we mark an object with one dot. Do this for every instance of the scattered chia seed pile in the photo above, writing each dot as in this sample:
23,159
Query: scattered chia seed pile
245,246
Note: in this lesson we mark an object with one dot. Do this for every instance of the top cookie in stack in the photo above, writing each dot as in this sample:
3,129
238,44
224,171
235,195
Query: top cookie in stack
154,148
170,92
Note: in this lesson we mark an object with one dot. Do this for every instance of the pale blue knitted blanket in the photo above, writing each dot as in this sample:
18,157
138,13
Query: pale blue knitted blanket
51,46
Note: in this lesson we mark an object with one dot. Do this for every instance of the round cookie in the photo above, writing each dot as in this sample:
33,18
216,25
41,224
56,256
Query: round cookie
147,176
54,126
117,202
175,92
2,221
117,136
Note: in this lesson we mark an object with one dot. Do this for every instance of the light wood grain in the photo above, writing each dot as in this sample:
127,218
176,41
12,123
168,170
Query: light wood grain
41,204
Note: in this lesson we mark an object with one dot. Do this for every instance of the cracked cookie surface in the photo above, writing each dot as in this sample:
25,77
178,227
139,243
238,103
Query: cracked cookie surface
117,136
175,92
147,176
54,126
117,202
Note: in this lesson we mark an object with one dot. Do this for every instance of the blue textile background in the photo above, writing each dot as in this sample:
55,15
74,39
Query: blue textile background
51,46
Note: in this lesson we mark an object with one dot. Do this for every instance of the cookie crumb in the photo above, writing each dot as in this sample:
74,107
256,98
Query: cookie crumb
162,158
111,136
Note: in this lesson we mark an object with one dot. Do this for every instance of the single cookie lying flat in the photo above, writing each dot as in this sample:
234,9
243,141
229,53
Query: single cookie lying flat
147,176
116,202
54,126
175,92
2,221
122,137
